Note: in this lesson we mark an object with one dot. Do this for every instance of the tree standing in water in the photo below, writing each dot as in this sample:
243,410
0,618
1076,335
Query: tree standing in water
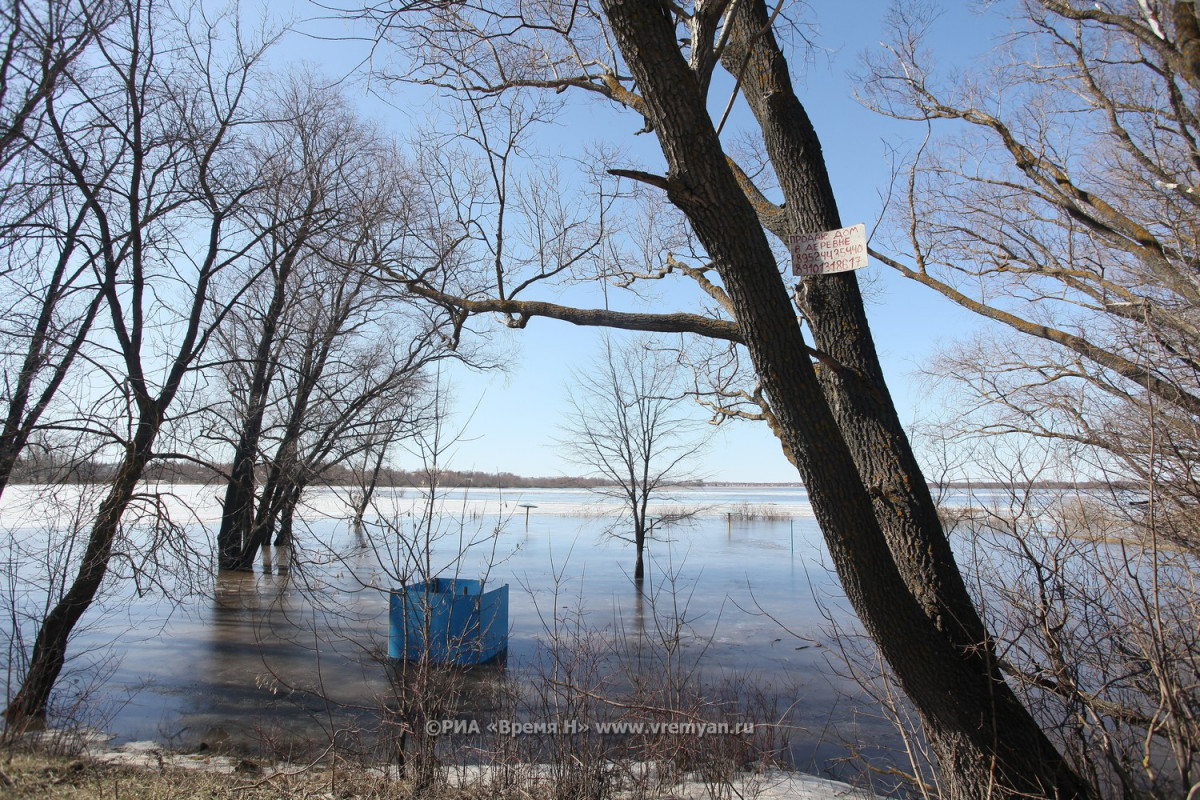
629,425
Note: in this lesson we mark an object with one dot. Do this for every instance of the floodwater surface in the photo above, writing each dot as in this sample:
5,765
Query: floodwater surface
286,655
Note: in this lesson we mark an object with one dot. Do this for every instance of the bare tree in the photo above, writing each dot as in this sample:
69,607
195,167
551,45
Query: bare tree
321,357
376,447
152,138
51,299
344,383
630,426
299,356
54,298
835,419
1055,193
1061,201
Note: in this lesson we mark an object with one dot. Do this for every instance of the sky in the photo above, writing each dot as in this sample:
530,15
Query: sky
509,419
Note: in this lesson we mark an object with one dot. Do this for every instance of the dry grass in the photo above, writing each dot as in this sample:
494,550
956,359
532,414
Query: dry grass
953,516
749,512
26,774
44,776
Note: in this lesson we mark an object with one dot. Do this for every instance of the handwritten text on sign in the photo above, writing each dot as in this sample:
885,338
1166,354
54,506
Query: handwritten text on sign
829,251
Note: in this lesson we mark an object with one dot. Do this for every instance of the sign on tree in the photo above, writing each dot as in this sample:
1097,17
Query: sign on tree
824,252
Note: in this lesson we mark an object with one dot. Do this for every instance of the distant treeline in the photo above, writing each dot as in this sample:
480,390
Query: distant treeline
183,471
342,476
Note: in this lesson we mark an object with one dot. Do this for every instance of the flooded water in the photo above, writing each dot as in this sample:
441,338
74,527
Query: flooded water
295,650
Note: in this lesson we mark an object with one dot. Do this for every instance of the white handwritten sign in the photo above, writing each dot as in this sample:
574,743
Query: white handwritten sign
824,252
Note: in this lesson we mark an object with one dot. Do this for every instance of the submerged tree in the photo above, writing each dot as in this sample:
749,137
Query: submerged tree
317,347
629,425
152,137
351,376
834,418
183,208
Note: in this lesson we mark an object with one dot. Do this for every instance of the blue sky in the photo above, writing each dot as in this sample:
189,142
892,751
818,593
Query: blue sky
511,417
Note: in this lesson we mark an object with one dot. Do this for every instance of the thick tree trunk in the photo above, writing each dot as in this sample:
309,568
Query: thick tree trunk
987,743
287,513
265,514
276,509
50,646
237,512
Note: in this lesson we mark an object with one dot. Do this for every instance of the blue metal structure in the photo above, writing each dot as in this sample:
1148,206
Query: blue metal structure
450,620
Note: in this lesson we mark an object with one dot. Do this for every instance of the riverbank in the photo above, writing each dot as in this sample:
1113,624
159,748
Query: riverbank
146,771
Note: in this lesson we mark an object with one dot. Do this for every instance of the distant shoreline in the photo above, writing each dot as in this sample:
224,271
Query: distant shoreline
192,473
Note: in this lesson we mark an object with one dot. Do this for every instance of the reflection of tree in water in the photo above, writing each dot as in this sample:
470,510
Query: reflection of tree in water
286,657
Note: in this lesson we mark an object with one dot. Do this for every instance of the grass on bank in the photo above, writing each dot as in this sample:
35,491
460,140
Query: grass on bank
32,774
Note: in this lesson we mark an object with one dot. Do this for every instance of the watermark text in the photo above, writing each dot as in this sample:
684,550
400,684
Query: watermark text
571,727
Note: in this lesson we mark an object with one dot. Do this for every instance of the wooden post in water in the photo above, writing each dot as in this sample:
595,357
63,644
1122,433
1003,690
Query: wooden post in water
526,506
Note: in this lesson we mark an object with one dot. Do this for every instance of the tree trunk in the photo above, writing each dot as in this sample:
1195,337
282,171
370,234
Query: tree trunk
368,483
237,514
276,508
986,741
639,539
50,646
857,392
261,526
283,537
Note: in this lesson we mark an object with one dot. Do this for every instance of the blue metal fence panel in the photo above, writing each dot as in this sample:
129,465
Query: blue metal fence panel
448,620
